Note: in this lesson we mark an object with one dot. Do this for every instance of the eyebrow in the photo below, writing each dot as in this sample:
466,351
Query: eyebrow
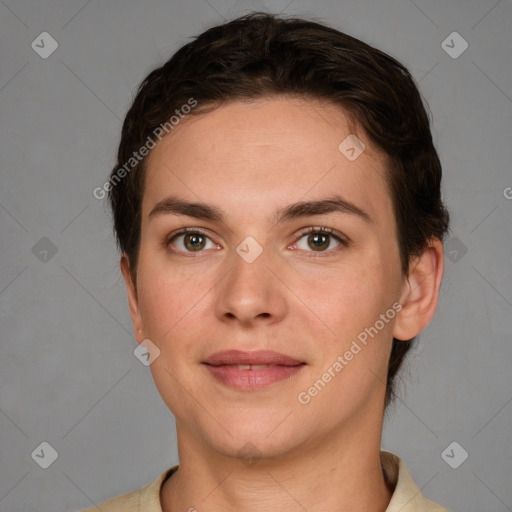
335,204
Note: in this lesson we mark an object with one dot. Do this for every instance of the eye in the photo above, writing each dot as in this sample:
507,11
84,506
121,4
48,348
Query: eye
319,239
314,239
190,240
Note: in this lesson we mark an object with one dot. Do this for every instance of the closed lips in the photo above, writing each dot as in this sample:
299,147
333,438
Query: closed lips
251,360
252,366
251,371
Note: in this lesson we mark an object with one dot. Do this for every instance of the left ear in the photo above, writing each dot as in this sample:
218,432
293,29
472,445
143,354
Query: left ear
421,291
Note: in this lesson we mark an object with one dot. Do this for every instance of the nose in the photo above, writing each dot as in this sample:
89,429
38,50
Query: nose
251,293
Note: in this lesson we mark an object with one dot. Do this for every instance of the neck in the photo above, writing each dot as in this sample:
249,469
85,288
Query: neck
338,473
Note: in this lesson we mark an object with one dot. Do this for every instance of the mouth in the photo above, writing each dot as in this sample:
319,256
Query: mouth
251,370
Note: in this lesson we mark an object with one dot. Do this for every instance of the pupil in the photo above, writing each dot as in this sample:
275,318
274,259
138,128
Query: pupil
194,241
319,240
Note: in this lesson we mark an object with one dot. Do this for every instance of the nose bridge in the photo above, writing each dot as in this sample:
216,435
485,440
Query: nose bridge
250,289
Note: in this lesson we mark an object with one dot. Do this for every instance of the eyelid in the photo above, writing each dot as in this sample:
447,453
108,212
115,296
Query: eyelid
324,229
184,231
343,240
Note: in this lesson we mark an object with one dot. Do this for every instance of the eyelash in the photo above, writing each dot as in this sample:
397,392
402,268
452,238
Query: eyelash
343,241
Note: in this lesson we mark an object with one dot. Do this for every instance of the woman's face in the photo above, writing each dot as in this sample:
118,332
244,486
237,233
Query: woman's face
249,276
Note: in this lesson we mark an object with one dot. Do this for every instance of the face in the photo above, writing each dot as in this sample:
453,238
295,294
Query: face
290,260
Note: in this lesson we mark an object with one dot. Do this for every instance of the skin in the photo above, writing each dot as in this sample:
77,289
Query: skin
250,159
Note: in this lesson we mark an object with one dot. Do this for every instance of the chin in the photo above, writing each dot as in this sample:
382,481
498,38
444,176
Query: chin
250,450
254,440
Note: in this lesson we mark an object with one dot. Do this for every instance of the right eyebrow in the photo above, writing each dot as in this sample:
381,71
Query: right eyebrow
173,205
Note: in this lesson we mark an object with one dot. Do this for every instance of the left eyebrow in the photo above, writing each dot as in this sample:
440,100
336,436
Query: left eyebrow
335,204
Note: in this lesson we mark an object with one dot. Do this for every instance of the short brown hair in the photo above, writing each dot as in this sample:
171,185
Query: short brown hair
260,55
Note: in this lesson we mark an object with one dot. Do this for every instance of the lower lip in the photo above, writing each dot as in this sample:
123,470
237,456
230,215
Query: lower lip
252,379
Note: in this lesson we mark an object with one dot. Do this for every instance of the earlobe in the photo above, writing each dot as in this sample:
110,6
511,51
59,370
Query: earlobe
133,301
420,292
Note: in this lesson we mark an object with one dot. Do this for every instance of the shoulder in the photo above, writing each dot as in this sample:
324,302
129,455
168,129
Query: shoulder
433,507
146,499
130,502
407,497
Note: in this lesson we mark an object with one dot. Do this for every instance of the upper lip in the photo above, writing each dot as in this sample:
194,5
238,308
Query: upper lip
238,357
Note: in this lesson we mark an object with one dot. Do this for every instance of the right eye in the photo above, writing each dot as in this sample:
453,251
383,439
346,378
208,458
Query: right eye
189,240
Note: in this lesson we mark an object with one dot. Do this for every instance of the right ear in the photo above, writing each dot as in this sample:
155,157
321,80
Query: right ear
133,300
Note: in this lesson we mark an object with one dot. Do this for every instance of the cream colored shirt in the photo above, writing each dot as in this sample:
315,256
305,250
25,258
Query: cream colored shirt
406,496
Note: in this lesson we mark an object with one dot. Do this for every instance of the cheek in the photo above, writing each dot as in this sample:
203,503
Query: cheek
168,297
353,292
353,301
361,315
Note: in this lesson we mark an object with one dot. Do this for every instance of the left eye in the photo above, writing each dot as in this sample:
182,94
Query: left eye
320,240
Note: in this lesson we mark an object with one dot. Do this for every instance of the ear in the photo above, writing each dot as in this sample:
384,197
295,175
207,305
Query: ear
420,292
133,301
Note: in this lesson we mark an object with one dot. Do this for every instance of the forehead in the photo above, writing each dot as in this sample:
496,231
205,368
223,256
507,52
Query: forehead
265,153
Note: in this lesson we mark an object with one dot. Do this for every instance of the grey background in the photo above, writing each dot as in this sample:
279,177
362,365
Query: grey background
68,374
